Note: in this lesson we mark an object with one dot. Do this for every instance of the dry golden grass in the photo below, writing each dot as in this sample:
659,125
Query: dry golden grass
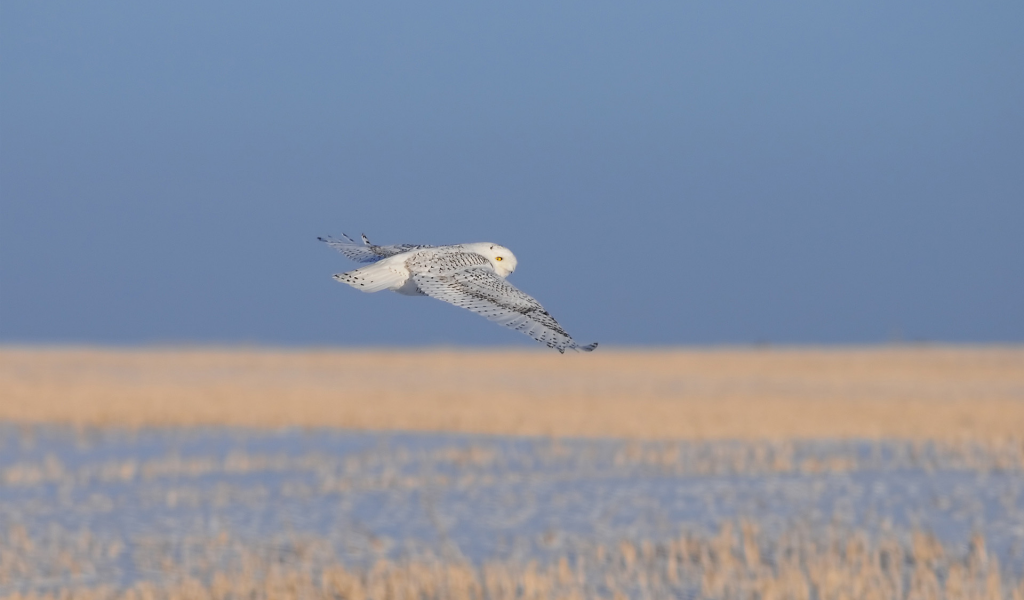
904,392
738,562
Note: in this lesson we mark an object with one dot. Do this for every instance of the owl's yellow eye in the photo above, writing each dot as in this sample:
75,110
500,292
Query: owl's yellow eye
497,258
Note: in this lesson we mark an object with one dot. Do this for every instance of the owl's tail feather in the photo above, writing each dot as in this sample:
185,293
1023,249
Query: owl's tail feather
374,278
587,348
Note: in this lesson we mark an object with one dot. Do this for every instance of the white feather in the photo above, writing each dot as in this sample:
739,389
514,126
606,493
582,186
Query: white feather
471,276
387,274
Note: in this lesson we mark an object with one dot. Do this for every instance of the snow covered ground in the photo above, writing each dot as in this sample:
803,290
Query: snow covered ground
117,507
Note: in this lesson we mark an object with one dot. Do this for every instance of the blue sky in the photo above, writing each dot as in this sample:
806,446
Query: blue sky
669,173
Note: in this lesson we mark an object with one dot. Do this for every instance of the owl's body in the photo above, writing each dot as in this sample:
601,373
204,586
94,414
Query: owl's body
468,275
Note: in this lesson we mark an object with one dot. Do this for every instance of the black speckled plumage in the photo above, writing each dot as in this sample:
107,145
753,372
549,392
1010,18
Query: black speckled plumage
461,275
367,252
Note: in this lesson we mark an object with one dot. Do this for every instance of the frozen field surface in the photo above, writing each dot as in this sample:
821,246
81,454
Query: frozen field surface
113,507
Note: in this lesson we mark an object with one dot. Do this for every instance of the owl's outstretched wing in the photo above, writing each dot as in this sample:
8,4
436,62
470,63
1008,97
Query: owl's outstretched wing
366,252
481,290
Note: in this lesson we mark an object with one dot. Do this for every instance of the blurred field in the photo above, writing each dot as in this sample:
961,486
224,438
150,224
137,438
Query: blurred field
228,513
767,474
886,392
737,563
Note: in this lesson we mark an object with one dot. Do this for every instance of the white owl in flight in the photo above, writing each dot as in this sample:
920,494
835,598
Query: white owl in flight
468,275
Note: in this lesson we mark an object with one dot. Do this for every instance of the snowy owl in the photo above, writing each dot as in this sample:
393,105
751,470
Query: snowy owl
468,275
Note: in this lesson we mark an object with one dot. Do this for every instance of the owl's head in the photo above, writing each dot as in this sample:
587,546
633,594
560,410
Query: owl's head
502,259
